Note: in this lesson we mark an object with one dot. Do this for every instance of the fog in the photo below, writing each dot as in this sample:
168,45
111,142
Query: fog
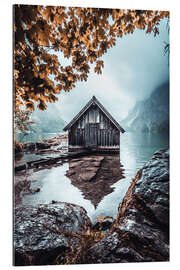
132,70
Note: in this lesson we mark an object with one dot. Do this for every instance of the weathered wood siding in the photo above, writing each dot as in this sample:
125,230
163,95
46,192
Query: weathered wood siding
93,127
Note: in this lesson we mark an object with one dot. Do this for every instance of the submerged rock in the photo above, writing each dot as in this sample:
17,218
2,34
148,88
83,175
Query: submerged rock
38,189
30,146
141,231
42,145
36,241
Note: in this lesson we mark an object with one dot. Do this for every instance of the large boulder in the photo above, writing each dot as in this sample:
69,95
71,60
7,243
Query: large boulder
141,231
36,240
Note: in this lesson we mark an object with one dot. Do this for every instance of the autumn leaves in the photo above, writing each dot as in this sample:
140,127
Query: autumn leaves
82,35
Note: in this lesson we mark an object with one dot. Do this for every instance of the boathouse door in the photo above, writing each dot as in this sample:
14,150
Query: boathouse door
91,135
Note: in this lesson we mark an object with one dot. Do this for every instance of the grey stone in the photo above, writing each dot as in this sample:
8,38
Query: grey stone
141,231
35,238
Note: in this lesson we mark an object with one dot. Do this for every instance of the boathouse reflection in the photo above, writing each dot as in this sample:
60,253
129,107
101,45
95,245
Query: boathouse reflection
95,175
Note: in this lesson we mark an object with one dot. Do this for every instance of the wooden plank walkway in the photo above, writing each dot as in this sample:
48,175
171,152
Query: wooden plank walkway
49,160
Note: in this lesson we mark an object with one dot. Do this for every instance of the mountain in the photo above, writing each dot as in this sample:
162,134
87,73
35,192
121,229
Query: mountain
151,114
47,121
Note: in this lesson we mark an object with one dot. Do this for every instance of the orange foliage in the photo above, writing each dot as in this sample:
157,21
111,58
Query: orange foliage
81,34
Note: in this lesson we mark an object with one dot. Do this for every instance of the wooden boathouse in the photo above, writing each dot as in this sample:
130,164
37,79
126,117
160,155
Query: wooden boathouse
94,129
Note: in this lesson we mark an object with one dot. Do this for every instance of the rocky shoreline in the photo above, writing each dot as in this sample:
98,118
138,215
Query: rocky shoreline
140,232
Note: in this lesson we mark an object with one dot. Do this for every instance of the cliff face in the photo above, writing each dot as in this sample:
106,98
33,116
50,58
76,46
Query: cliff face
151,114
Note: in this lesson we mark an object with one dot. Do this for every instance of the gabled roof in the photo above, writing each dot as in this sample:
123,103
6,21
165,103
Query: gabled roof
101,107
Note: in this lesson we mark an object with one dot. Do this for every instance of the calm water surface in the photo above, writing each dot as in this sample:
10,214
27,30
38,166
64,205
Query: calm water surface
136,149
33,136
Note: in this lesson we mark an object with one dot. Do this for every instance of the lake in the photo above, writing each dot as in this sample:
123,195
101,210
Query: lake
33,136
56,184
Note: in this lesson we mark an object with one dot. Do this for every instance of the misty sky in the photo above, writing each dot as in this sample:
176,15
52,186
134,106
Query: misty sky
132,70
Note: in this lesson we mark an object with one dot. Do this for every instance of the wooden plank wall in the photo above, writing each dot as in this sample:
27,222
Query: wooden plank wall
107,133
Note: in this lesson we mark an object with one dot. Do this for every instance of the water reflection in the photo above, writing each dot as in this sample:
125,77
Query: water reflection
96,182
87,181
95,175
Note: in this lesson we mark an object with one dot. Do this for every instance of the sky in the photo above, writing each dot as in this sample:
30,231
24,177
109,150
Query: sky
132,70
